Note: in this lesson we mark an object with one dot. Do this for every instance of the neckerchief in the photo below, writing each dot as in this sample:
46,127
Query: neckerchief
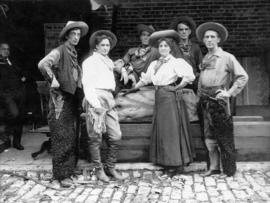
185,48
208,62
142,51
106,60
73,61
160,62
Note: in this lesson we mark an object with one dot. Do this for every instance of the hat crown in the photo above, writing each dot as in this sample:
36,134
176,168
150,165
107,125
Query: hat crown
163,34
219,28
71,25
70,22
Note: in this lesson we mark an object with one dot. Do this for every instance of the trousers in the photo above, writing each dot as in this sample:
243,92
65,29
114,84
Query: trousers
111,136
13,106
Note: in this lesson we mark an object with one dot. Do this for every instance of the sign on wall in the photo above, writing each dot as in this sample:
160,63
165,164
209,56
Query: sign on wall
51,32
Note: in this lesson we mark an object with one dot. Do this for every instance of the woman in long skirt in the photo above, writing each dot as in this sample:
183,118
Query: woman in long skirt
171,142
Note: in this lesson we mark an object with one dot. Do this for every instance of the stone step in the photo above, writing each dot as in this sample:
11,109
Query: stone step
256,110
252,139
248,118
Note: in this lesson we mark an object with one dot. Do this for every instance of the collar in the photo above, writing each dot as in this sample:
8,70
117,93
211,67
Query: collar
5,61
143,46
69,46
105,59
218,52
188,44
100,55
165,59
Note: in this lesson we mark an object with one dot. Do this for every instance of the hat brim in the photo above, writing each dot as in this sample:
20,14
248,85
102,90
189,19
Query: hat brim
153,40
99,33
142,27
183,19
78,24
219,28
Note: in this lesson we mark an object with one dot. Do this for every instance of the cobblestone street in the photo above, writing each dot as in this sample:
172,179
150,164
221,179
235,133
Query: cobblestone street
141,186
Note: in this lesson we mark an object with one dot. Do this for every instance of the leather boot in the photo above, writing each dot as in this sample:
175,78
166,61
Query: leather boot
17,138
211,172
101,175
17,142
113,173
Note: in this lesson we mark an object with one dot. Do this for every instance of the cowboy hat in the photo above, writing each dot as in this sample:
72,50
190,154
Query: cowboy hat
108,33
147,28
183,19
71,25
153,40
219,28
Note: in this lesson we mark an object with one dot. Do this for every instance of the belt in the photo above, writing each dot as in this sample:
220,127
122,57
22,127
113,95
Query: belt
211,90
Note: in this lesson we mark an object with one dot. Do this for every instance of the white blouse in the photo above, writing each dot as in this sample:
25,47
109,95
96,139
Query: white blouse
168,72
97,74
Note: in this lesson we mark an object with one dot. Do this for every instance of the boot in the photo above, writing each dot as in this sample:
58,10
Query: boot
18,146
211,172
113,173
102,176
17,138
17,143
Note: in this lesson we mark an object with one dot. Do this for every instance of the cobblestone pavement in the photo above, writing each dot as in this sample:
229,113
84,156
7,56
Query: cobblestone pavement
141,186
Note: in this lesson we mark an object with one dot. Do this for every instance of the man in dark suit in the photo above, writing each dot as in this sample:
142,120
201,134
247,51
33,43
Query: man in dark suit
11,98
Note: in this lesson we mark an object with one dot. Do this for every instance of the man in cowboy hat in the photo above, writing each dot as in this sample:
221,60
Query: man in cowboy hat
137,59
102,119
189,50
218,69
60,67
12,96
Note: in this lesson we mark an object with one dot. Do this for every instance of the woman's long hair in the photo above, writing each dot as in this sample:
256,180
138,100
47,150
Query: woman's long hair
172,44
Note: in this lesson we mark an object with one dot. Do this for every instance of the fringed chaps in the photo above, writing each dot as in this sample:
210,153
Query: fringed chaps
221,127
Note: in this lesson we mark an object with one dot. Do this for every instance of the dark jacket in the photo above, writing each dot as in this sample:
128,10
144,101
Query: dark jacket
10,78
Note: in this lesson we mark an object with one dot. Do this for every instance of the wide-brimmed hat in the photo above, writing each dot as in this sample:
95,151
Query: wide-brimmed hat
153,40
219,28
183,19
71,25
100,33
147,28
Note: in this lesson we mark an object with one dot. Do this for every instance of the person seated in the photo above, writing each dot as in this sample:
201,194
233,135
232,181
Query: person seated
137,59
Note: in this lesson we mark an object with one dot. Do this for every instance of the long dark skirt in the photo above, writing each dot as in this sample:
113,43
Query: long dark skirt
171,141
63,138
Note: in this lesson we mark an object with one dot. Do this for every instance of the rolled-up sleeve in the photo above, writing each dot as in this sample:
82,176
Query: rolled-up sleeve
184,70
240,77
46,64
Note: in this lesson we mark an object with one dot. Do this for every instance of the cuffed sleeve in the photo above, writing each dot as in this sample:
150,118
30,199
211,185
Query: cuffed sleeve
240,77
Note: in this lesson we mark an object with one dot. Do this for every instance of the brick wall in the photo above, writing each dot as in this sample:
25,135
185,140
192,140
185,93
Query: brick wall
248,21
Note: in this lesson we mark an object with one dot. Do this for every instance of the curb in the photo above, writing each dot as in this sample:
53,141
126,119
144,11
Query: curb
197,166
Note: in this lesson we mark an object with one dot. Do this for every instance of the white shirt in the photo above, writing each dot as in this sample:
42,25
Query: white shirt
97,74
168,72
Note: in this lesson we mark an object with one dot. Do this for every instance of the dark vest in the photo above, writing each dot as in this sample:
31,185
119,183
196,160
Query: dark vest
64,72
